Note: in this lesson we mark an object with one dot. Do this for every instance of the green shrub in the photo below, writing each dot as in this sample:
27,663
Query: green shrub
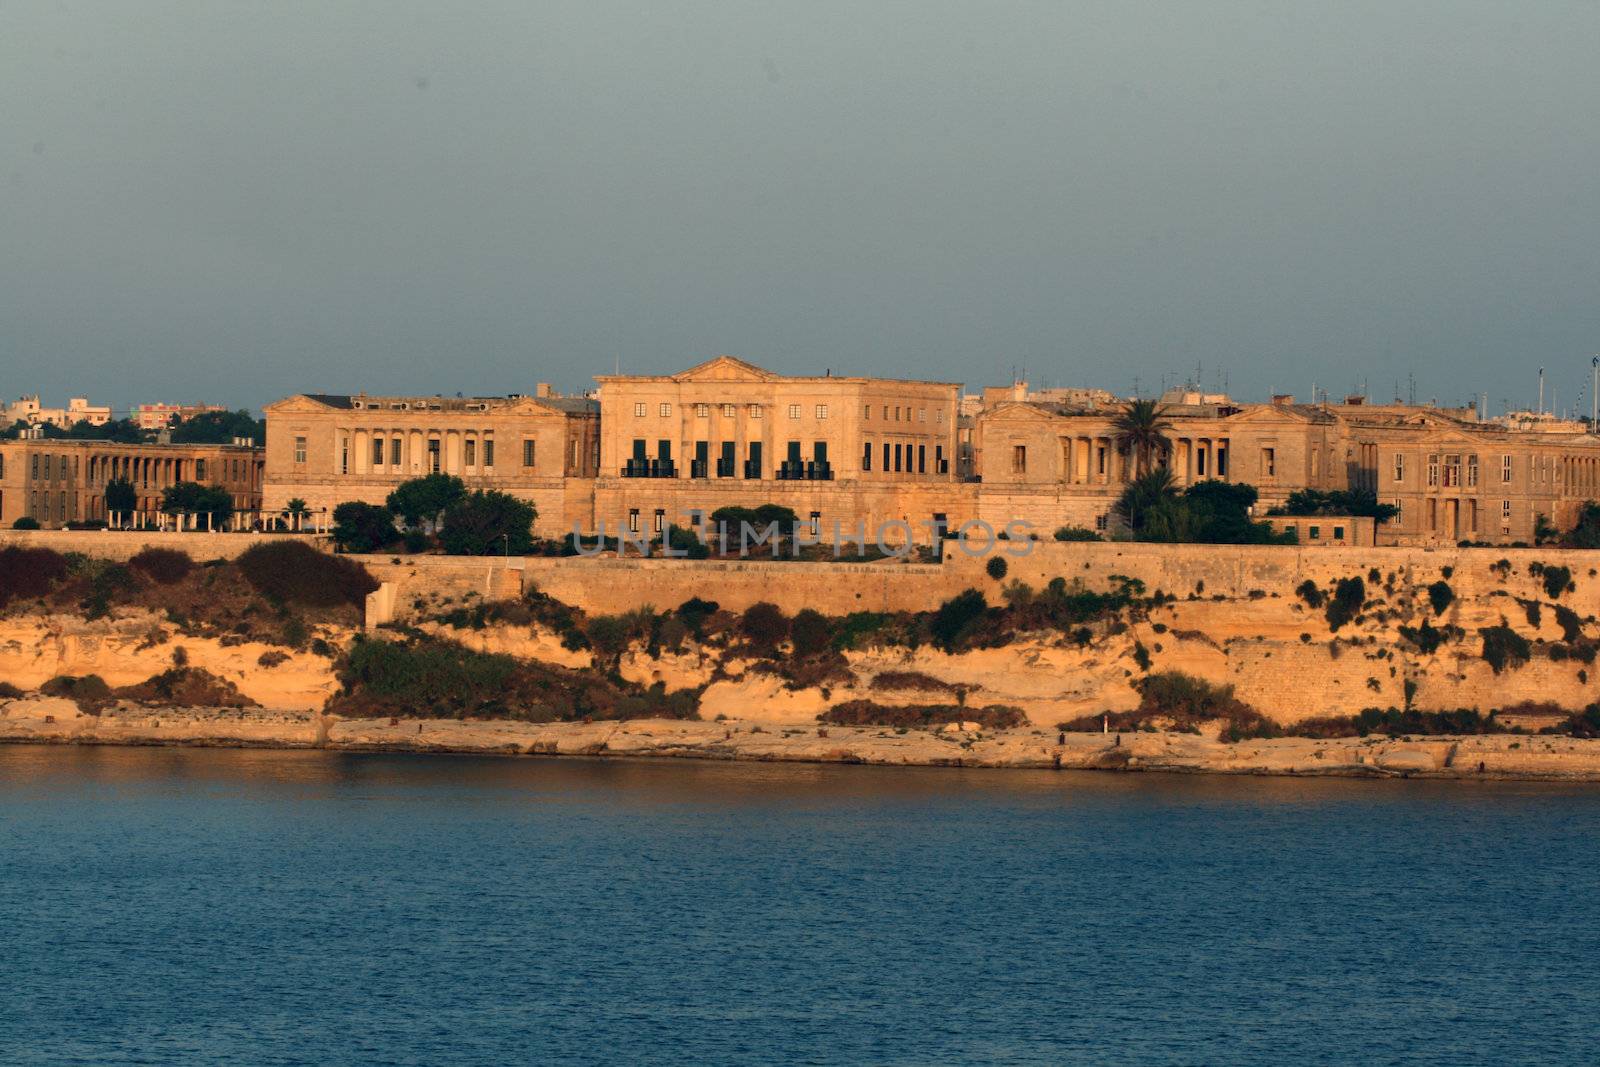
1503,647
292,572
996,567
1571,625
27,522
107,581
1308,591
1076,533
854,630
1428,638
1348,596
425,674
26,573
956,617
163,565
362,527
1440,595
1556,580
89,691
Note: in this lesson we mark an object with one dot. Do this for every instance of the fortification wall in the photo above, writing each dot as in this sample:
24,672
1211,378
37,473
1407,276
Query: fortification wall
124,544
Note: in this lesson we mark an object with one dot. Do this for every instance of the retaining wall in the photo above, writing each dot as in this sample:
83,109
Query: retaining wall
125,544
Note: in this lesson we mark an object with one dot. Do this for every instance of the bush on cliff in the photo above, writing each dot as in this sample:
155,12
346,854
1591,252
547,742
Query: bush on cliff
1503,647
810,632
957,619
26,573
1396,721
292,572
871,713
1186,702
190,687
1440,595
164,566
764,625
89,691
1348,596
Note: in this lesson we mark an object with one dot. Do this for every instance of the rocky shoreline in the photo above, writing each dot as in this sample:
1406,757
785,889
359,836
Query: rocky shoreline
1496,756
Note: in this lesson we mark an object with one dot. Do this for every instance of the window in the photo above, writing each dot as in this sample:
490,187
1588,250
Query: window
633,520
377,451
922,459
433,456
344,455
816,523
1505,511
528,452
1019,459
1505,469
1399,511
794,411
866,412
394,451
1338,533
755,411
1399,467
728,411
638,411
299,450
922,414
938,416
1315,532
866,456
470,450
1452,471
898,457
886,457
1100,521
1472,472
1269,463
886,413
664,410
702,411
659,520
488,451
822,411
1433,470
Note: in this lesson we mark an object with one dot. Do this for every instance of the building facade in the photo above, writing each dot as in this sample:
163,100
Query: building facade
162,416
328,449
60,482
839,451
28,409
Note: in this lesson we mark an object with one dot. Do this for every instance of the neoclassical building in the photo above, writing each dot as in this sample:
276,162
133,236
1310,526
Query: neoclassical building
56,482
326,449
848,450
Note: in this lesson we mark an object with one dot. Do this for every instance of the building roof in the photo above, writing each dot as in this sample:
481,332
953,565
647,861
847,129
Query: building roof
733,369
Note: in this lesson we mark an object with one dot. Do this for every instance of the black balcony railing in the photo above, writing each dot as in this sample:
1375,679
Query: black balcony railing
752,470
650,468
724,468
805,471
697,468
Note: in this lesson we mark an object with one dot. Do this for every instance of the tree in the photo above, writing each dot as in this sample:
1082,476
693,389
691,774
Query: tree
1141,428
192,498
1336,502
1143,494
759,519
219,428
123,431
363,527
121,498
1585,533
684,542
488,522
764,624
421,501
296,511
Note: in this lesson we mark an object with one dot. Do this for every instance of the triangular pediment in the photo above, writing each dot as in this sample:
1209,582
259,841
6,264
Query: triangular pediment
1021,411
299,404
1267,413
725,369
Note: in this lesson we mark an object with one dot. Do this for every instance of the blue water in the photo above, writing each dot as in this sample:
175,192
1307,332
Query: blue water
243,907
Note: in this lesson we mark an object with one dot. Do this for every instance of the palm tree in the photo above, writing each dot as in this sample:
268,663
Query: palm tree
1141,428
1145,494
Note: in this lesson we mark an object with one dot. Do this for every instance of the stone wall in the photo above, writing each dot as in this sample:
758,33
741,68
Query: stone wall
124,544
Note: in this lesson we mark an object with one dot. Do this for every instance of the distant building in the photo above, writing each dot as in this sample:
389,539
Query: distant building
162,416
327,449
29,410
57,482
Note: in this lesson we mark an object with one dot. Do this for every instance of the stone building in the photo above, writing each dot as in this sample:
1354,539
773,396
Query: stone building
837,450
328,449
57,482
29,410
161,416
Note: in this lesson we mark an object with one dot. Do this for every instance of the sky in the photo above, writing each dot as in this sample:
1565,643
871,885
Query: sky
233,202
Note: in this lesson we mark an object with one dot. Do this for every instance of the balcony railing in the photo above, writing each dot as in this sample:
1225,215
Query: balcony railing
650,468
805,471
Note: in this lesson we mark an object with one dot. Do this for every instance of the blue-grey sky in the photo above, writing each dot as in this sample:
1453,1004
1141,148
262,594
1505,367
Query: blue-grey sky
235,201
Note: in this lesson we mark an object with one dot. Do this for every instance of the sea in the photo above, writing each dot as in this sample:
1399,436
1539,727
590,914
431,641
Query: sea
217,906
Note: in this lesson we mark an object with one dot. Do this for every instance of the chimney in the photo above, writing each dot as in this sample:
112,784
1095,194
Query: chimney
544,389
1282,400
